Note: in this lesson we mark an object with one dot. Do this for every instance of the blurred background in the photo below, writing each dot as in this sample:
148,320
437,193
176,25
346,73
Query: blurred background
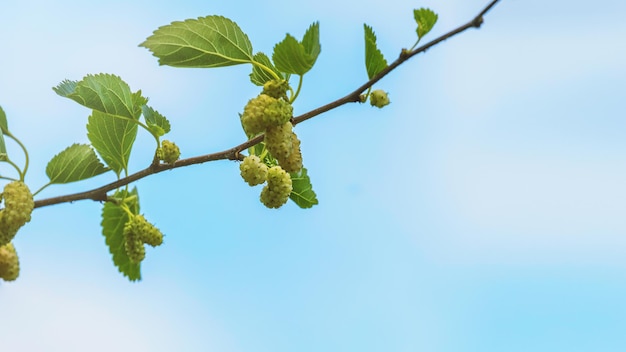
483,210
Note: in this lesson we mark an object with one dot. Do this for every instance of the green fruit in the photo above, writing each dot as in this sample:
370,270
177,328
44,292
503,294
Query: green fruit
169,152
379,98
276,89
278,188
132,244
253,170
9,263
138,228
278,141
293,162
284,145
264,111
18,206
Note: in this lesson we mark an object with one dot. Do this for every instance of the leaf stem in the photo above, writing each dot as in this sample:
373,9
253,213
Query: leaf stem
266,69
26,159
295,96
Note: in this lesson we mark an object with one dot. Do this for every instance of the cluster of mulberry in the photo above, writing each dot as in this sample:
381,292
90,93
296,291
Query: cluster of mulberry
137,232
278,188
270,113
18,206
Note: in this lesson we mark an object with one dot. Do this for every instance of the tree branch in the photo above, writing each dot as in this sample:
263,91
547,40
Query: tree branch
100,194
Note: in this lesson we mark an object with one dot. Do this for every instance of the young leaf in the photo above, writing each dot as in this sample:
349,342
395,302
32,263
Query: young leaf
4,127
425,19
113,139
104,92
302,193
374,59
113,220
157,123
311,41
4,124
75,163
259,76
212,41
65,88
291,56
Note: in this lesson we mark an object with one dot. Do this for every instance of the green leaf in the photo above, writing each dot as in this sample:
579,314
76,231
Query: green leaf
425,19
113,139
75,163
291,56
259,76
374,59
4,124
212,41
4,128
157,123
311,41
302,193
104,92
113,220
65,88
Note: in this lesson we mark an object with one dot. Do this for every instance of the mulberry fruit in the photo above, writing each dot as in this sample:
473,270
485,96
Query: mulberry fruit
379,98
9,263
276,89
264,111
134,247
18,206
278,188
284,145
169,152
138,231
253,170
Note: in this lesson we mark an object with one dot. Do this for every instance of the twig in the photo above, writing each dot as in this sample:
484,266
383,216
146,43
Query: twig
100,194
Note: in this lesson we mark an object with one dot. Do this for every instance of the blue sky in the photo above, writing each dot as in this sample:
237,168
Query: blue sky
483,210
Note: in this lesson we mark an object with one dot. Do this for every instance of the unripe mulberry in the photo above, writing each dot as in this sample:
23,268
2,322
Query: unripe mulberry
379,98
284,145
293,162
253,170
278,141
264,111
18,206
145,231
133,245
169,152
276,88
278,188
9,263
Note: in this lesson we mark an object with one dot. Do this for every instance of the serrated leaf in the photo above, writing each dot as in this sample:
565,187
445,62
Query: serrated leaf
4,124
260,76
291,56
77,162
374,59
4,128
311,41
425,19
302,193
113,220
113,139
65,88
104,92
212,41
157,123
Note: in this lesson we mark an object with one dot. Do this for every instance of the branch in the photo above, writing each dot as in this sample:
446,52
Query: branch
100,194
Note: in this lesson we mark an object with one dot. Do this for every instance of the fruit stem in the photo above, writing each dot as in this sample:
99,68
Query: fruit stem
297,90
26,159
